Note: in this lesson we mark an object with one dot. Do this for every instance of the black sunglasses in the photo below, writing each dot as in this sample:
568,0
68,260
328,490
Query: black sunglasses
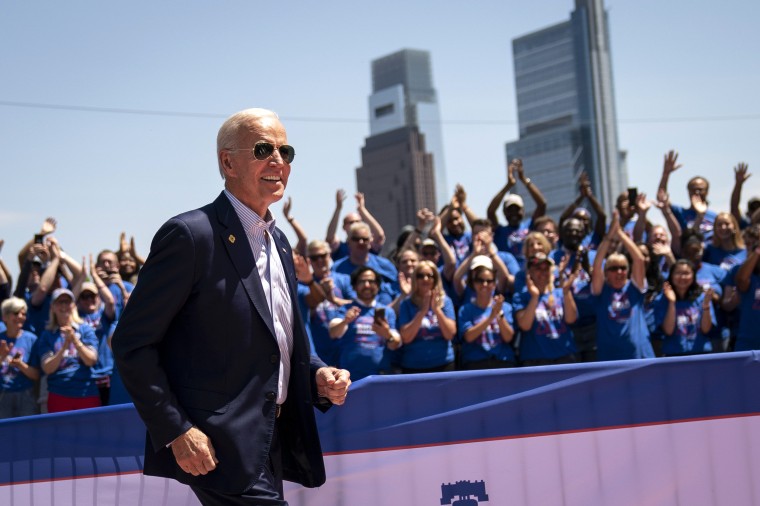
317,257
263,150
423,275
615,268
360,239
484,281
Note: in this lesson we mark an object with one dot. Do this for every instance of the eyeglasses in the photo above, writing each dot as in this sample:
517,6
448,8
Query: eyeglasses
87,295
429,252
424,275
616,268
314,258
366,282
263,150
484,281
360,239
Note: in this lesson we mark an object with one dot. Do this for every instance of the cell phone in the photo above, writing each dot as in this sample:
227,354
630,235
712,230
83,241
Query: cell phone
633,196
38,238
379,314
17,355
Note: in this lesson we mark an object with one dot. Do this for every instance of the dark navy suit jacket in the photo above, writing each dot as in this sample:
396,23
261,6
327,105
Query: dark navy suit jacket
196,346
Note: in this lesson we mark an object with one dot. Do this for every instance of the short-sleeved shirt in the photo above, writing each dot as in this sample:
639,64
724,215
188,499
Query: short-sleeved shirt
687,217
362,351
11,379
621,327
72,378
549,337
687,337
460,245
489,343
581,285
429,348
328,349
510,239
389,288
101,324
748,337
711,276
722,258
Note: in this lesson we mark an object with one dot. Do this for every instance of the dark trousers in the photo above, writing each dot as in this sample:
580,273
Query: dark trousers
267,491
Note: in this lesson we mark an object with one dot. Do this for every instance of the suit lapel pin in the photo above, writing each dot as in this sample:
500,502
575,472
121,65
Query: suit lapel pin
231,238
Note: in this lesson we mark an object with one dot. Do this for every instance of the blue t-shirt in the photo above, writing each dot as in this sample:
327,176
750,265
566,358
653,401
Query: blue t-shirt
429,348
101,324
621,327
461,245
36,316
362,351
328,349
711,276
687,337
748,337
510,239
11,379
581,285
72,378
489,343
722,258
549,337
389,288
301,292
686,218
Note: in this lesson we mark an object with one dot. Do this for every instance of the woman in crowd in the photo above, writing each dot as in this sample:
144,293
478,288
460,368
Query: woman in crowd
544,315
427,324
16,375
406,262
535,242
684,313
622,331
727,246
68,350
746,278
485,324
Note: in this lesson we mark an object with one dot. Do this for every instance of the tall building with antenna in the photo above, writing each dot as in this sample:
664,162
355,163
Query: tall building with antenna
566,109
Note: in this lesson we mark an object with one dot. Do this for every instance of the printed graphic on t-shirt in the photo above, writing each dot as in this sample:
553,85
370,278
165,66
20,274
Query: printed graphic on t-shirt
619,309
550,320
686,323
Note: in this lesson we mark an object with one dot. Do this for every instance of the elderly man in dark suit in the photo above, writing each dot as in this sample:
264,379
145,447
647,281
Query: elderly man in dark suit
211,347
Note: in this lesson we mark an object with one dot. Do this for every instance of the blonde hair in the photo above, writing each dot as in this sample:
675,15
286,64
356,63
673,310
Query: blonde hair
437,284
12,306
736,239
537,236
53,325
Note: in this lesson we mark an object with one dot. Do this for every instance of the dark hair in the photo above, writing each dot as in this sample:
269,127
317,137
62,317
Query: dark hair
361,270
694,289
691,234
653,273
541,220
476,272
482,222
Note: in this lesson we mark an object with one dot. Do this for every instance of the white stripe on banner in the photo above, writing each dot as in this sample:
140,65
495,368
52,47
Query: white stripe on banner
712,462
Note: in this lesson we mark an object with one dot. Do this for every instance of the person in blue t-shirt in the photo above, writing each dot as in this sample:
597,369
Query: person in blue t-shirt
340,249
359,255
747,281
485,324
594,233
684,313
622,331
365,329
427,324
510,237
544,315
726,248
107,267
17,377
68,349
741,174
697,215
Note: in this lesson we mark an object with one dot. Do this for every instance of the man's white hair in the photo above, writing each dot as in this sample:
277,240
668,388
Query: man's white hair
229,132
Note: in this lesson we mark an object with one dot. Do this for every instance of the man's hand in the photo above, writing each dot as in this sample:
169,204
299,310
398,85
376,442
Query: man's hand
194,452
333,384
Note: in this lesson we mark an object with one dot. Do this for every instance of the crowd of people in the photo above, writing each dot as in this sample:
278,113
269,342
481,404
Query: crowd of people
524,291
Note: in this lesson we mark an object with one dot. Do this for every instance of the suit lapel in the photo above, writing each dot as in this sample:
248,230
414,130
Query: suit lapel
236,242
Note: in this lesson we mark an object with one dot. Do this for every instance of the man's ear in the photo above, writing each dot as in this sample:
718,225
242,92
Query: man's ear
226,163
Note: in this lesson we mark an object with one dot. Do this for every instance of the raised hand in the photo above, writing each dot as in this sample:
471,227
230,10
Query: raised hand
286,207
496,304
511,179
699,205
404,284
584,184
671,162
741,173
340,197
661,249
709,293
48,226
123,244
615,225
642,204
532,288
459,194
359,200
520,169
663,199
668,292
301,264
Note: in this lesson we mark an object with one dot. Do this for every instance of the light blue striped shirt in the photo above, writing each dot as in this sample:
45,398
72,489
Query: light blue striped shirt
274,283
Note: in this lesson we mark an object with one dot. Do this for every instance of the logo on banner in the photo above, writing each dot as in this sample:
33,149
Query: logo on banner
464,490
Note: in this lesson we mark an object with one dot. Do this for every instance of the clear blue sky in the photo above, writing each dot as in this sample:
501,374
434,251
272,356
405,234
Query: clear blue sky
687,76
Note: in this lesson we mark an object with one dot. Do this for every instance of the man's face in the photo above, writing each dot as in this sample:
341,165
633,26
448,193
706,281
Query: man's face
108,263
359,242
659,235
455,225
430,253
584,218
366,286
257,183
616,272
349,220
698,187
693,251
547,228
88,302
320,261
513,214
572,233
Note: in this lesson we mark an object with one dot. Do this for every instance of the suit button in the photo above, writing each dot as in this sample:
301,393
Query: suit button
274,359
271,396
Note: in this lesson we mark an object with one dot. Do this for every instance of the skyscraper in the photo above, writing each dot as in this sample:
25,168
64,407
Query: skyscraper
566,109
402,160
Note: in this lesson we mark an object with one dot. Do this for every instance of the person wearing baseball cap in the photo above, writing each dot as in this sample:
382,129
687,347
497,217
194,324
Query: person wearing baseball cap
68,348
509,237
